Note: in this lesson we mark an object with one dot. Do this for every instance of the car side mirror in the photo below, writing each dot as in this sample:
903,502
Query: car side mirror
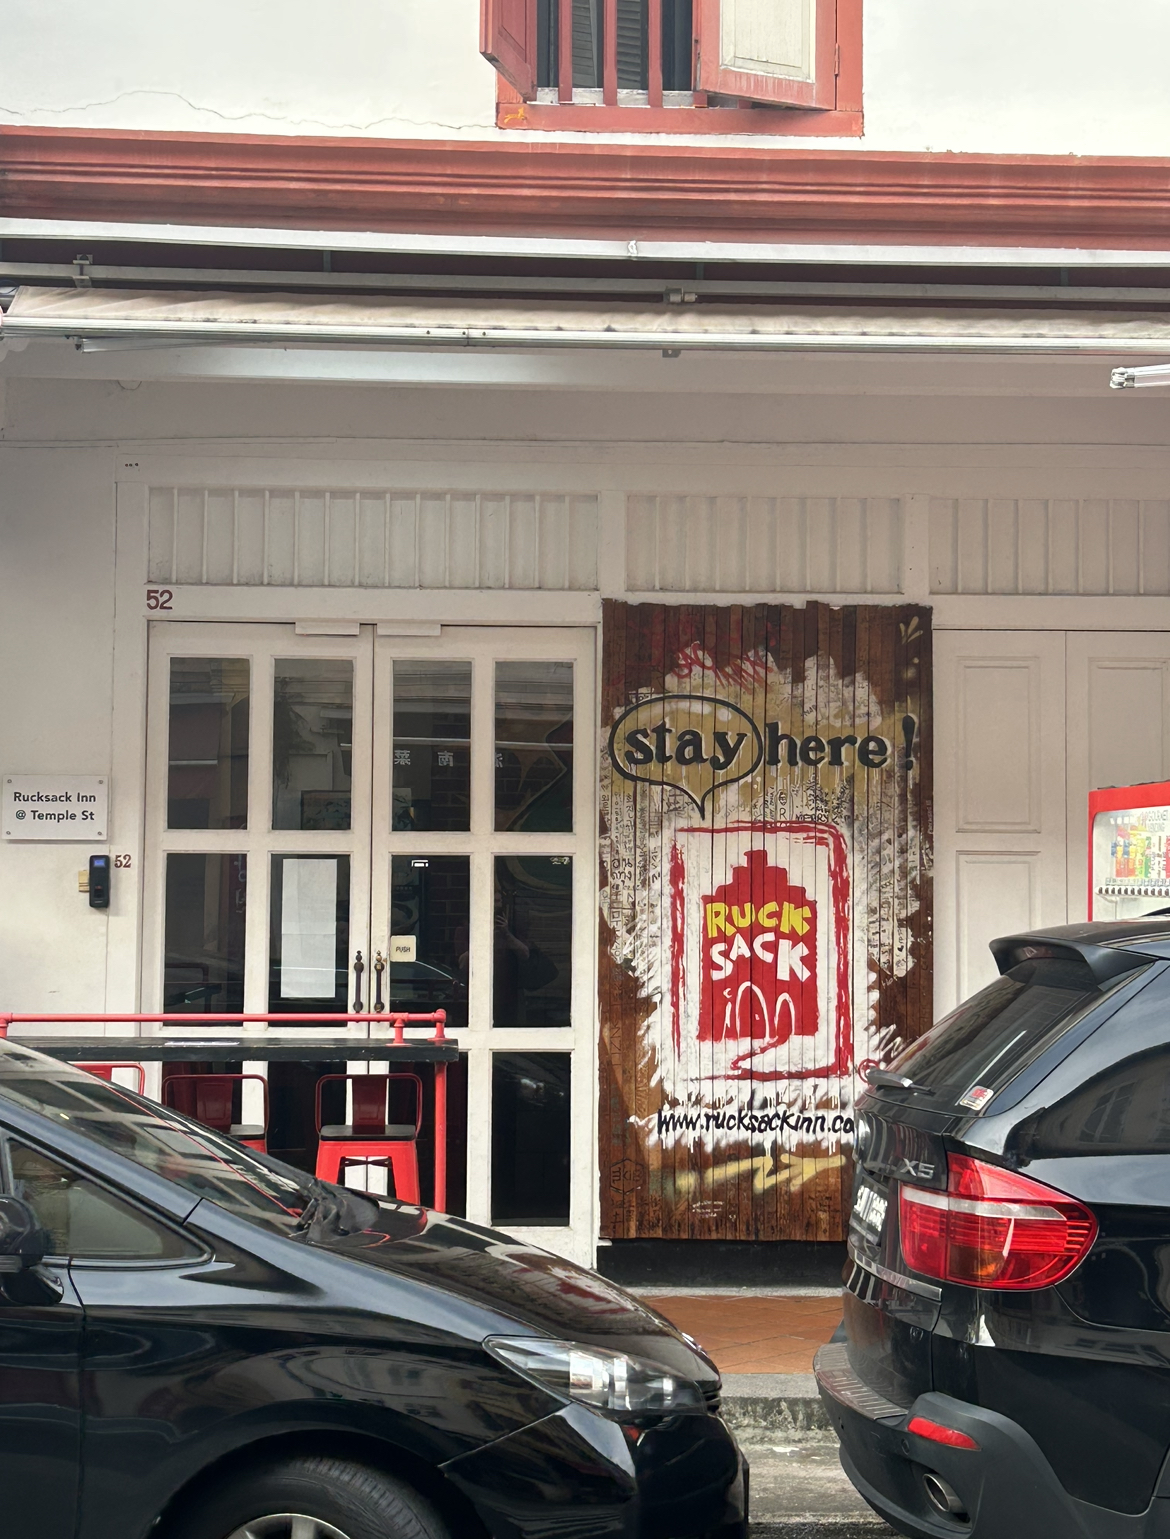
23,1240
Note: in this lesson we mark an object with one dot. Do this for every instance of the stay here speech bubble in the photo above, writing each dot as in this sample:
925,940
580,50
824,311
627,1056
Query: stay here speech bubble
695,743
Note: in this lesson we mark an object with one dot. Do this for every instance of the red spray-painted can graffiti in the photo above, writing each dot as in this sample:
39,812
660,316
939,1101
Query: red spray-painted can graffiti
760,981
759,958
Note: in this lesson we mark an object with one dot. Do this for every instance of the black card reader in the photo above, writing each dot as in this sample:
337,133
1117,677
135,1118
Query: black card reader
99,881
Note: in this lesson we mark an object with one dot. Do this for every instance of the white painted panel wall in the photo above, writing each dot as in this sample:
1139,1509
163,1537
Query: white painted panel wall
56,640
1027,723
996,893
1118,728
998,753
1049,545
314,538
679,544
999,797
1044,78
409,68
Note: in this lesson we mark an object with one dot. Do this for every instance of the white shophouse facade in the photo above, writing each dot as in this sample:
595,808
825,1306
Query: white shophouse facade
349,518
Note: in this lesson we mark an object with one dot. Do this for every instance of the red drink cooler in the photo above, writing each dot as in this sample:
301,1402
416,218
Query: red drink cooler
1129,851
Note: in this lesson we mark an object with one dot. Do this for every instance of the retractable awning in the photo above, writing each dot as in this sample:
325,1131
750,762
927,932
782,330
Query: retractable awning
123,317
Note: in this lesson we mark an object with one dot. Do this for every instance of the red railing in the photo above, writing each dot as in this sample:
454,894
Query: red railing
398,1019
609,78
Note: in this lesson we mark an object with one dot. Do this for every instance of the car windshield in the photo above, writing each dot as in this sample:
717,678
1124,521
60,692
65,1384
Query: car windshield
979,1047
202,1162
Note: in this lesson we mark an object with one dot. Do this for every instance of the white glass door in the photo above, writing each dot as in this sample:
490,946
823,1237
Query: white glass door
484,894
258,819
380,823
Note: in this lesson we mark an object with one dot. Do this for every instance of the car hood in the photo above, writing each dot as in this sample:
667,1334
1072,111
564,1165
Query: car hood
545,1294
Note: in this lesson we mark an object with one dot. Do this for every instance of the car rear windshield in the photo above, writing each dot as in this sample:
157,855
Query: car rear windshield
979,1047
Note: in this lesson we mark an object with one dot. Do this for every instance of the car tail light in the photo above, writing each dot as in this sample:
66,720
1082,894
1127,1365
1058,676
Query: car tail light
992,1228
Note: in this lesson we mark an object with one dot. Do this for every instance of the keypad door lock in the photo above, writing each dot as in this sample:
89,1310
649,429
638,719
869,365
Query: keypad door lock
99,881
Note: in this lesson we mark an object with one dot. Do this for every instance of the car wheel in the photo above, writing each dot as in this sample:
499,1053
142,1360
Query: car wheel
314,1498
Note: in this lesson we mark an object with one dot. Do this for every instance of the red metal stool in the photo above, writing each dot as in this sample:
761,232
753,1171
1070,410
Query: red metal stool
371,1138
210,1099
106,1071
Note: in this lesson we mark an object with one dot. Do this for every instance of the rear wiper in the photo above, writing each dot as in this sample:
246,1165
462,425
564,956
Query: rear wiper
887,1079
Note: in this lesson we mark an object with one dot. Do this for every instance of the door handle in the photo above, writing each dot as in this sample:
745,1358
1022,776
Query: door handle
379,969
359,968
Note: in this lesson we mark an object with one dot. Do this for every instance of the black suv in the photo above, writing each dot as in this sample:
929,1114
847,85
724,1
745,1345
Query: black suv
1005,1368
199,1342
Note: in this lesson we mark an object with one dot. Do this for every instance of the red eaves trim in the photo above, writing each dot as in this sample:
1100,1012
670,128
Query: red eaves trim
534,188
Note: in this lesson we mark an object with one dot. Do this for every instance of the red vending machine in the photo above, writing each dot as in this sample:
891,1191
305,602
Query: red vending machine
1129,851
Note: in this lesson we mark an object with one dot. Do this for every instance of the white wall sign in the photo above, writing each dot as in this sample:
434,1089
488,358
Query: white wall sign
404,948
57,808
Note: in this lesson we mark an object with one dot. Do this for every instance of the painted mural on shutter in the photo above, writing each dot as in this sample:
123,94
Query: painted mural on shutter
765,905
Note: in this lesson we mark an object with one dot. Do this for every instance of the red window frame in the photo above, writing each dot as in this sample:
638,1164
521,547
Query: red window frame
839,117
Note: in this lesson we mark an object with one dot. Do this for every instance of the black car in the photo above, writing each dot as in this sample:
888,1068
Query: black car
1005,1368
199,1342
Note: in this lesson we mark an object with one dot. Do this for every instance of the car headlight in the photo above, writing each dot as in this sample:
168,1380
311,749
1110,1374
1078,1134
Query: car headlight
610,1382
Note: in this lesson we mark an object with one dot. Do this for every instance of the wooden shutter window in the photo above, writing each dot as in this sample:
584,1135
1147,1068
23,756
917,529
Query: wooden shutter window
507,39
781,52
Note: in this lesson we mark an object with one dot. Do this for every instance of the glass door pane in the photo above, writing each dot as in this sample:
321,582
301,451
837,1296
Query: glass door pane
534,747
432,745
308,948
531,1125
312,743
203,966
430,916
207,769
532,953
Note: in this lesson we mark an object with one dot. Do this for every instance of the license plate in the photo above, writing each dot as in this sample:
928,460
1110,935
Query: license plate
869,1210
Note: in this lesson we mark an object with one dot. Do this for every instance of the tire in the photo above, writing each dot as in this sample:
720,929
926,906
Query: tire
313,1498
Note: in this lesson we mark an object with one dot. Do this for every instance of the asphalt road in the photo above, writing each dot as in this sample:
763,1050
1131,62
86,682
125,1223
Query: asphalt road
798,1491
824,1528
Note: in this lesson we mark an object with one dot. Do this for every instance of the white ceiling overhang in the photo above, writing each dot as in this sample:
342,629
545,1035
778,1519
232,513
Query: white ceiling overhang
105,318
637,250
